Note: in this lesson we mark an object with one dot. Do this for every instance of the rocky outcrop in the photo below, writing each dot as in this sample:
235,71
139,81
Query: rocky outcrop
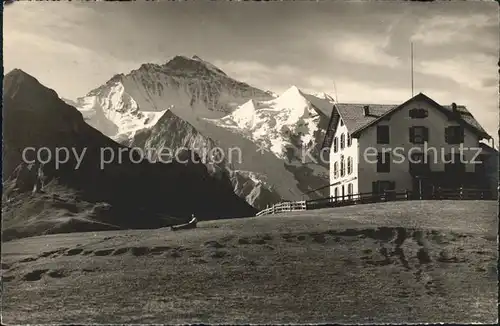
172,138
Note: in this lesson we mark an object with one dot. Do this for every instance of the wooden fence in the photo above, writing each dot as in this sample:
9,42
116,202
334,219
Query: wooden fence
289,206
463,194
366,198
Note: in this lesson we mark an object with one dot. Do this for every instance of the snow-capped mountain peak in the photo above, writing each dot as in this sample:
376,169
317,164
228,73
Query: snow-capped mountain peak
292,98
192,87
245,115
114,112
323,96
292,91
195,64
274,122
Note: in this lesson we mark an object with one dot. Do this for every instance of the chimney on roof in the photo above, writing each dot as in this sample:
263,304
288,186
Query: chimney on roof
454,107
366,110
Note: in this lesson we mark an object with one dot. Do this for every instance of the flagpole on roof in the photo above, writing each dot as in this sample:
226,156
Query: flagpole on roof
411,68
335,90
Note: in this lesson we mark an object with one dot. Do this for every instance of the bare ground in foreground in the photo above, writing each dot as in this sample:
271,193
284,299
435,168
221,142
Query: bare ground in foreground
392,262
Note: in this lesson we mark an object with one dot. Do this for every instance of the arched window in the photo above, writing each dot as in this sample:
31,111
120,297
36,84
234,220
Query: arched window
335,145
341,122
342,141
342,166
336,192
336,170
349,165
349,140
350,189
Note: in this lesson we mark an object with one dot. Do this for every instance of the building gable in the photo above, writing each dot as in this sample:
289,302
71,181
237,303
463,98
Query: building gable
461,115
357,121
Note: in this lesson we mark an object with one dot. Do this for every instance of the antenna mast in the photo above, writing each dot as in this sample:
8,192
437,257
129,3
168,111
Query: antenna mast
335,90
411,69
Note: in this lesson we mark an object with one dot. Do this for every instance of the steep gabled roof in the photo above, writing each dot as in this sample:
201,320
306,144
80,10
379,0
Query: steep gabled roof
354,119
356,122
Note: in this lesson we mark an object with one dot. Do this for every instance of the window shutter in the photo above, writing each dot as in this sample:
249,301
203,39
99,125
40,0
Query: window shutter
462,134
426,134
412,135
382,134
447,135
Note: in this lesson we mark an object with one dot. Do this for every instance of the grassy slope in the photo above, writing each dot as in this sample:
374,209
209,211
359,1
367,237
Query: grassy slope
334,265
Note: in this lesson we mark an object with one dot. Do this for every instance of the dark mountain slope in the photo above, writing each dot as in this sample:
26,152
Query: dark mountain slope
137,195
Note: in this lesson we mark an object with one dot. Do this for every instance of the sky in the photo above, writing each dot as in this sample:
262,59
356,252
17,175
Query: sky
354,51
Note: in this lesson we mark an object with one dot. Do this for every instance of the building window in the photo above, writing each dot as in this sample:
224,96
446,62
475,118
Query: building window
419,134
342,166
454,135
418,163
342,141
349,165
349,140
343,192
454,164
335,145
336,192
382,134
418,113
350,189
341,122
384,162
335,170
381,186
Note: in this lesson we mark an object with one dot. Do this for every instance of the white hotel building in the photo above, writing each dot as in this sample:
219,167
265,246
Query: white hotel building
359,134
